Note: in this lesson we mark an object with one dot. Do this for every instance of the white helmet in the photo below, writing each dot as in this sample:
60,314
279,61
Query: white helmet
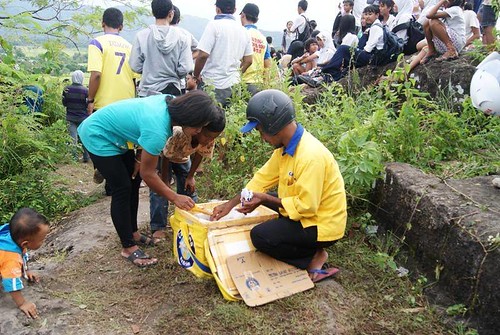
485,85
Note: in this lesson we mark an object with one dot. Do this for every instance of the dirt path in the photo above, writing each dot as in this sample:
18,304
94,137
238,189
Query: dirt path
88,288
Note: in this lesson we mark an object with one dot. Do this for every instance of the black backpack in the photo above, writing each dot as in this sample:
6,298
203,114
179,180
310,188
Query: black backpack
393,47
415,33
306,34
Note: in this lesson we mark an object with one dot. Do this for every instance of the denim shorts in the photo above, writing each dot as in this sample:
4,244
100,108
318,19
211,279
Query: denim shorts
488,17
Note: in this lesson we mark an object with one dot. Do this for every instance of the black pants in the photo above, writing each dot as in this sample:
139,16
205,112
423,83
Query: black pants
117,170
287,241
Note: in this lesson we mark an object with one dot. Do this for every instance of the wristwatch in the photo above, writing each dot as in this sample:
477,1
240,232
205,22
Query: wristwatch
89,101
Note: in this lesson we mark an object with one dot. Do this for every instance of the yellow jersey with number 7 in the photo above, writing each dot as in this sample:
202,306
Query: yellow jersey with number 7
109,54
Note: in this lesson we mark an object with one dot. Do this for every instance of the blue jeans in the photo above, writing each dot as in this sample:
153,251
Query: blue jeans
72,129
158,206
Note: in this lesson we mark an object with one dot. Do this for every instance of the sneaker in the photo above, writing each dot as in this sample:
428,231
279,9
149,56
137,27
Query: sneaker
98,178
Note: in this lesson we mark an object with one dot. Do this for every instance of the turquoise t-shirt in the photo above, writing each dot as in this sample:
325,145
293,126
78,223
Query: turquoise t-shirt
141,121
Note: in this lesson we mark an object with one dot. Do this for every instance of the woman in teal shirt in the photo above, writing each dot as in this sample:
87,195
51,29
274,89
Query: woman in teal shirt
108,135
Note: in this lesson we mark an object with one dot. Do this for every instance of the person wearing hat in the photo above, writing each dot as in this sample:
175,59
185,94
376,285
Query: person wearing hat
74,98
225,49
311,197
256,73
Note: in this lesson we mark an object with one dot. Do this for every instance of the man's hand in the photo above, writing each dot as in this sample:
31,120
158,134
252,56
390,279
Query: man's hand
90,108
221,211
29,309
183,202
190,185
137,169
249,206
33,277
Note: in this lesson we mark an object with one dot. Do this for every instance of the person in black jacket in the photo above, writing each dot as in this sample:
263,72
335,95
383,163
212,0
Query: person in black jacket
74,98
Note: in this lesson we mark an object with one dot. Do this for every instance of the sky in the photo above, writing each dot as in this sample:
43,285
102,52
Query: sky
273,13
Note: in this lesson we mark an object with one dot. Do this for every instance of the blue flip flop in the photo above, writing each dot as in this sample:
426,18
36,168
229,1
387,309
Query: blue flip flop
323,273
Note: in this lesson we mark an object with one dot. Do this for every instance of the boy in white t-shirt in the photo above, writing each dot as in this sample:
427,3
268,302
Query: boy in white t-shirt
471,25
225,49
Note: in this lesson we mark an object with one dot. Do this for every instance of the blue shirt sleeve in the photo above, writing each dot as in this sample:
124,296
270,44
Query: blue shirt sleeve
267,55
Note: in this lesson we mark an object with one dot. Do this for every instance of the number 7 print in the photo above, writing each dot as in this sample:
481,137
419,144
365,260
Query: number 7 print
122,55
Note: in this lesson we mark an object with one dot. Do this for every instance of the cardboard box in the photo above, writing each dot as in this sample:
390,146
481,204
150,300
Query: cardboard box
260,278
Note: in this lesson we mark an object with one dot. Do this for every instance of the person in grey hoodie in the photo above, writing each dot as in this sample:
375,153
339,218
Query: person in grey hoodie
161,53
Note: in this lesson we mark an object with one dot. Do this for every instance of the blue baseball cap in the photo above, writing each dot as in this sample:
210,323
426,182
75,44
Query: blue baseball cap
249,126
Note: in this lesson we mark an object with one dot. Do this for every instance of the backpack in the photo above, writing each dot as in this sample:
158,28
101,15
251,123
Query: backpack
307,31
393,46
415,33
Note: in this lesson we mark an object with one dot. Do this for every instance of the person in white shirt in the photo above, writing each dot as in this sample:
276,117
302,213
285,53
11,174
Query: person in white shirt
369,54
405,10
445,31
299,24
288,37
347,31
225,49
386,18
471,25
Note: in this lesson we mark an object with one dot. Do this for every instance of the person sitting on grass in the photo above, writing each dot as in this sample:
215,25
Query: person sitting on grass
444,31
311,197
307,61
368,51
27,230
176,159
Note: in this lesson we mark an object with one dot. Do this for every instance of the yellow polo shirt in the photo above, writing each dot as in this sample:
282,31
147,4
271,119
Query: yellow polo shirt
109,54
310,187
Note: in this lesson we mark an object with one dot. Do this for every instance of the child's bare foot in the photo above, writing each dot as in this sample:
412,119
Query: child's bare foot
428,57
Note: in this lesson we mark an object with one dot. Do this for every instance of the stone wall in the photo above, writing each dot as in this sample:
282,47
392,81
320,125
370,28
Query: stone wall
446,225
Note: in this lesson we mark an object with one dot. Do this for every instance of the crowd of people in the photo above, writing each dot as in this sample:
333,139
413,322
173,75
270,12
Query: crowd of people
430,30
145,116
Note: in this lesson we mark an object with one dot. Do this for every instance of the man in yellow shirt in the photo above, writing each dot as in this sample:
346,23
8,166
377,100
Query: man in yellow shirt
257,73
111,78
311,197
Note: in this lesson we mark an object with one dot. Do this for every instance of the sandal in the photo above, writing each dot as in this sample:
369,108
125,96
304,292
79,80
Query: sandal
145,241
322,273
139,254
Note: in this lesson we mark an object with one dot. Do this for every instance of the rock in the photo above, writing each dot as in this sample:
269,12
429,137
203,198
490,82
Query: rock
496,182
446,225
449,79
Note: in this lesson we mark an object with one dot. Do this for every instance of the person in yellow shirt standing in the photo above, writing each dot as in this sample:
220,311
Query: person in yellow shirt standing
257,72
111,78
311,197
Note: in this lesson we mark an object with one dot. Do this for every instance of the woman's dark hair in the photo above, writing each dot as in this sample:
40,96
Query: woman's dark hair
160,8
177,16
296,49
371,9
25,223
218,123
454,3
113,18
347,25
309,42
468,6
387,3
193,109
